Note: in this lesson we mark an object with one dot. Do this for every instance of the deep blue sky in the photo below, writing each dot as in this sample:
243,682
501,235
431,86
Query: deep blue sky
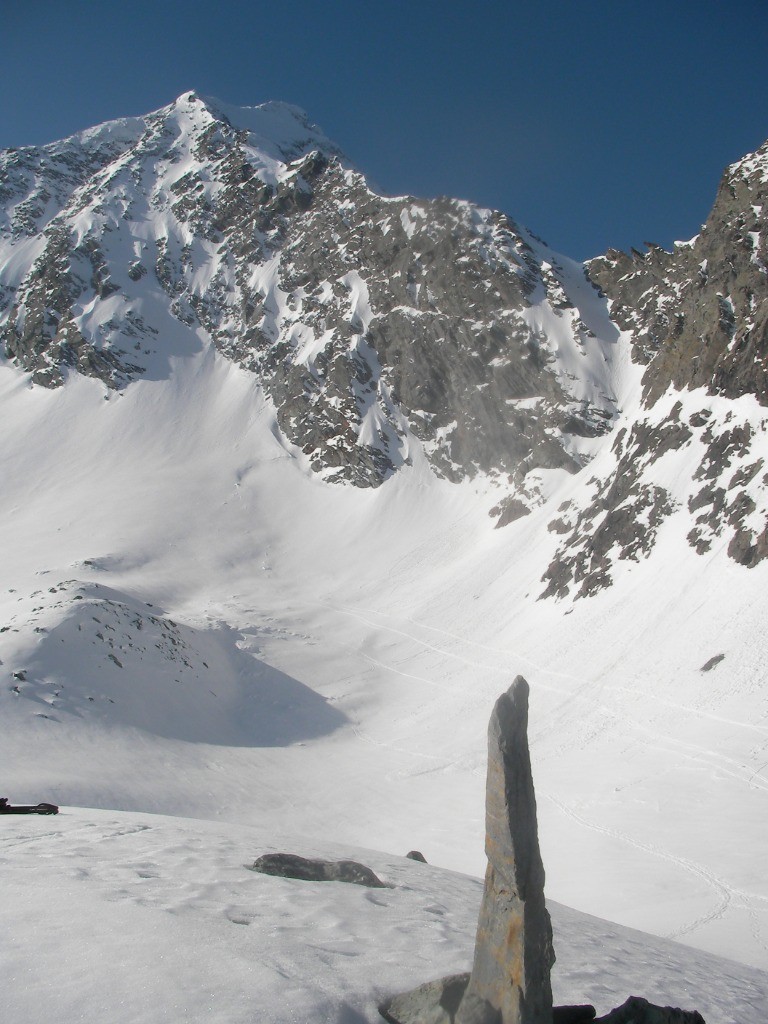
594,123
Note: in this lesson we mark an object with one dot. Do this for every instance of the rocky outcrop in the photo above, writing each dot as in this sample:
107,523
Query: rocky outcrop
290,865
637,1010
698,319
434,1002
698,315
509,982
510,978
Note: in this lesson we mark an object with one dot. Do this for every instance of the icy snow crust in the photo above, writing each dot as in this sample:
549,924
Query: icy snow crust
195,624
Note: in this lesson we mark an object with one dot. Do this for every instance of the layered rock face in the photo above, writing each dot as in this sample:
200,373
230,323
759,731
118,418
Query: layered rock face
378,326
510,980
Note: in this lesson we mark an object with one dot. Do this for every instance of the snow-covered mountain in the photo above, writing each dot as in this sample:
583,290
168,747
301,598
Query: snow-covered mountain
698,321
370,322
254,417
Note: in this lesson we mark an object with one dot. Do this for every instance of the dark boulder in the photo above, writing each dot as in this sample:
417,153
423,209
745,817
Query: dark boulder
637,1010
290,865
583,1014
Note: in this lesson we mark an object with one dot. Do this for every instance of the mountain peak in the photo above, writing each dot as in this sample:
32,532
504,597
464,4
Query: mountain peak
754,166
280,130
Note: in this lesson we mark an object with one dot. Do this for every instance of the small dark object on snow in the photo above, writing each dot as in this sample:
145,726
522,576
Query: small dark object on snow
637,1010
6,808
415,855
709,665
573,1014
290,865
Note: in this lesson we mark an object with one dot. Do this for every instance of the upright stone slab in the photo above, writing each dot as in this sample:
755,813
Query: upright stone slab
510,981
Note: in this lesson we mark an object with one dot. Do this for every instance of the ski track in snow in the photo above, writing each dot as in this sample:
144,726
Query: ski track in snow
724,893
704,755
511,653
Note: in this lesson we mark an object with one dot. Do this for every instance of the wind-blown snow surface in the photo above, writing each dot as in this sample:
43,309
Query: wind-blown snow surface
136,918
194,624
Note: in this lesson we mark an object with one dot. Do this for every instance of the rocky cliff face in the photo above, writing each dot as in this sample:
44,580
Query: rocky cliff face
376,325
698,315
697,319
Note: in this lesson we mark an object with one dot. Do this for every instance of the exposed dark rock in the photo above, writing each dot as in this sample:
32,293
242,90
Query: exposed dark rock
699,314
710,663
626,530
698,317
416,855
558,525
637,1010
748,548
573,1014
436,1002
290,865
509,510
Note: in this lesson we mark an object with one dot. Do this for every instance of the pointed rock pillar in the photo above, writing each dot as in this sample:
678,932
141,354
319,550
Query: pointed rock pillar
510,981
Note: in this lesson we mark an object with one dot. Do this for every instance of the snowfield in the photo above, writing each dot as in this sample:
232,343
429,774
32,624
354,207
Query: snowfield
194,624
141,918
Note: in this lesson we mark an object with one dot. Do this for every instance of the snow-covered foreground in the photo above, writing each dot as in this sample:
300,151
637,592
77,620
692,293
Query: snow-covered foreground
137,918
194,624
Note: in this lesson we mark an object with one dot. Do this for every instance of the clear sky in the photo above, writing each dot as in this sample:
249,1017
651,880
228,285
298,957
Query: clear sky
594,123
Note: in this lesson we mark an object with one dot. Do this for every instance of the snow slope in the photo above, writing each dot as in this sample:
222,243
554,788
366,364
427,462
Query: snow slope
324,659
140,918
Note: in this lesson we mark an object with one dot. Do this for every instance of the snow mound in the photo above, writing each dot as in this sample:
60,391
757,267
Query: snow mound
89,653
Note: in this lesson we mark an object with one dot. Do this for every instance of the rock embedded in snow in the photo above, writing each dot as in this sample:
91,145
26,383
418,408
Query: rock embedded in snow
416,855
509,982
510,979
434,1002
307,869
637,1010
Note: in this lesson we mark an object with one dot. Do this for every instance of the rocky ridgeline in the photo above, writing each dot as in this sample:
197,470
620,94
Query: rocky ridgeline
698,321
698,315
373,323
